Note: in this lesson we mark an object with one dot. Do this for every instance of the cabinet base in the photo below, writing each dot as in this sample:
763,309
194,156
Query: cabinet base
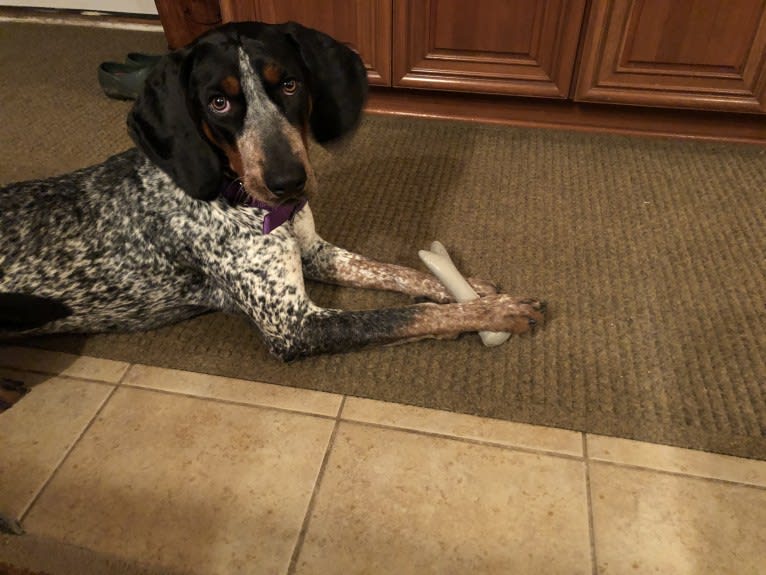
565,114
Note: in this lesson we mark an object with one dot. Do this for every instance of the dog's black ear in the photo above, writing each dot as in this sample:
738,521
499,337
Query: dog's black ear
162,126
337,82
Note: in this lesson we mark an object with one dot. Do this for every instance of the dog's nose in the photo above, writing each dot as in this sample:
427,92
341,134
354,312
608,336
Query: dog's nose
287,182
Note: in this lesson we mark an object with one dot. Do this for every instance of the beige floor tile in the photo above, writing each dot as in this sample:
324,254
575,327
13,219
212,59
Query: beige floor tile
676,459
46,556
391,501
37,432
650,522
464,426
58,363
238,390
187,484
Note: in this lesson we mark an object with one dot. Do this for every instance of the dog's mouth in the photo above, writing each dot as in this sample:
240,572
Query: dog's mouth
234,191
277,212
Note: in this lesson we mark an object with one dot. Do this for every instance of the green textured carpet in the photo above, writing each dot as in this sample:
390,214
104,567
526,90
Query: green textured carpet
651,254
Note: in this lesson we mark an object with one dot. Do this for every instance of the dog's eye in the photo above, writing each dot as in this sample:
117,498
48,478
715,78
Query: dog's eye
289,87
219,104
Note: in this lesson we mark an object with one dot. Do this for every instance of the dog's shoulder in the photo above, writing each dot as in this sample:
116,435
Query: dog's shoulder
70,186
88,204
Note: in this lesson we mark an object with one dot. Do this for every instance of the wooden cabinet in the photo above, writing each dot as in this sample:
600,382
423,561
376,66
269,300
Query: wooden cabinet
704,54
707,54
365,25
184,21
518,47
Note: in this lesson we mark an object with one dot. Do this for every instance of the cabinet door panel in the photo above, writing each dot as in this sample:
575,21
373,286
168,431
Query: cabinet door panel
686,53
185,21
365,25
525,47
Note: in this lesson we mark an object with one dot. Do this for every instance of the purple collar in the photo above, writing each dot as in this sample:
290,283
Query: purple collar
275,216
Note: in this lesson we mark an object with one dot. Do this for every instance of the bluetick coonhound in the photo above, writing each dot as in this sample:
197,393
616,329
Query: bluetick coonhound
210,212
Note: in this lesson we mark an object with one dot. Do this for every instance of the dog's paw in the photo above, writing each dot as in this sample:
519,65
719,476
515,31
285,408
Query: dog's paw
503,312
438,293
483,287
433,291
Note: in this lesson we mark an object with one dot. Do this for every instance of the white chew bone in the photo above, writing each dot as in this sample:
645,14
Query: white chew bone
438,261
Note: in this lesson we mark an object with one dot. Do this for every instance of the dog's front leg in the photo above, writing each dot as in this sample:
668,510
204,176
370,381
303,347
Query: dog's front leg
263,278
328,263
332,331
309,330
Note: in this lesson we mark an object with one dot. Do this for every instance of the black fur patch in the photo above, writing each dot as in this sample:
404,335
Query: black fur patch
19,311
334,331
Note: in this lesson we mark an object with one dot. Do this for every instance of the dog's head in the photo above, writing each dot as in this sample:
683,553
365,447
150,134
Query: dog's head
239,103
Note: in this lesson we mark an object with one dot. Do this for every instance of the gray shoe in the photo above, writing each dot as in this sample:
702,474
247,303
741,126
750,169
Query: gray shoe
142,60
122,81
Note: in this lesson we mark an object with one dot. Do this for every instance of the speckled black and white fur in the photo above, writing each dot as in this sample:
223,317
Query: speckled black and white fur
146,239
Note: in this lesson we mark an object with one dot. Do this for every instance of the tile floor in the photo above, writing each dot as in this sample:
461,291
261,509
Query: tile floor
130,468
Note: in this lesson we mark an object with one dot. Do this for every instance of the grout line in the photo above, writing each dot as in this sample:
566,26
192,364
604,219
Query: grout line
66,455
636,467
34,371
474,441
125,375
538,451
230,401
342,408
312,501
589,501
20,373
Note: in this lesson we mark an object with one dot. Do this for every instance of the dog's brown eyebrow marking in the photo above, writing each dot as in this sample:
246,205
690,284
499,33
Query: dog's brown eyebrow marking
272,73
232,152
231,86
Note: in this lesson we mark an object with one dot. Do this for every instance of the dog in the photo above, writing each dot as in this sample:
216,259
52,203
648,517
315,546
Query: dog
210,211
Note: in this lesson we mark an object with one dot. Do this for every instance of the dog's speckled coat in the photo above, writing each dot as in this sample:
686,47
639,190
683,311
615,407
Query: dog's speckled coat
145,239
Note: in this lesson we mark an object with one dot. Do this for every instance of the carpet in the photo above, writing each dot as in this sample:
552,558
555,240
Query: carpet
650,253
